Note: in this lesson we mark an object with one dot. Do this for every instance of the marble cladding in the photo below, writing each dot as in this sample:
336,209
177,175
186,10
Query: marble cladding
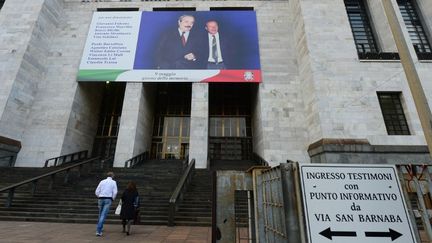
314,86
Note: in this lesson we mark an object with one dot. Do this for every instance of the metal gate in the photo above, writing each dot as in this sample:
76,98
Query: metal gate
277,206
417,185
271,201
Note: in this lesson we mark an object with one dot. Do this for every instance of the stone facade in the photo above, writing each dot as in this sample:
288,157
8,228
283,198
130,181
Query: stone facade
314,85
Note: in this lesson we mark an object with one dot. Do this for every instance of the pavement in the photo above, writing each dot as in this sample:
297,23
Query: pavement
11,231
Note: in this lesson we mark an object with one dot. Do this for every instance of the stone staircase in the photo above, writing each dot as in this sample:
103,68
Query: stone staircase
195,208
76,202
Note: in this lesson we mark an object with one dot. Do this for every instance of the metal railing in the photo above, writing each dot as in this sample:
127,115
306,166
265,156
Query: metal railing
177,195
136,160
216,234
51,175
67,158
9,159
185,163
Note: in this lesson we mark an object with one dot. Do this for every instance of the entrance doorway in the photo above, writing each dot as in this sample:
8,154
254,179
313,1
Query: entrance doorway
109,120
172,121
173,142
230,130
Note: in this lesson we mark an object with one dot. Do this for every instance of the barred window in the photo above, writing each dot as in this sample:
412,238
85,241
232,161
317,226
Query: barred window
231,8
116,9
360,26
392,110
414,25
174,9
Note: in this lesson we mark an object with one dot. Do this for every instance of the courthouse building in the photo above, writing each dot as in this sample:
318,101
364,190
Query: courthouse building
327,87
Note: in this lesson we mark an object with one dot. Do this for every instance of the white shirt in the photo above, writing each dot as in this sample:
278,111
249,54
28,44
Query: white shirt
210,43
107,188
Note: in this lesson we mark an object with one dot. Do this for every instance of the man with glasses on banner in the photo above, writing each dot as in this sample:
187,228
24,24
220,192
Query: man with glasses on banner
221,49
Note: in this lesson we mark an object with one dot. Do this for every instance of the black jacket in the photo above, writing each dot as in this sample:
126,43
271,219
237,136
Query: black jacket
171,52
130,203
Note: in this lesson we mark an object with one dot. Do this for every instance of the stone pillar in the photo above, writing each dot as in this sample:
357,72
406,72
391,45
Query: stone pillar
198,141
37,92
382,28
136,122
23,56
408,60
425,11
83,119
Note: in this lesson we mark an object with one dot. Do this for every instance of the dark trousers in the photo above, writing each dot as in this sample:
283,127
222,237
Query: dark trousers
213,65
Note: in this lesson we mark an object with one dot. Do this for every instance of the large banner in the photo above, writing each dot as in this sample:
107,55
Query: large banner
172,46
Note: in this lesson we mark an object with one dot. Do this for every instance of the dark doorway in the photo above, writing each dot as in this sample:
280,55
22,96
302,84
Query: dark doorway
230,130
109,120
172,121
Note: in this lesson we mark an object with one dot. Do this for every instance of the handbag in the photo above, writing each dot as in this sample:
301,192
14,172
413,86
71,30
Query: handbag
118,208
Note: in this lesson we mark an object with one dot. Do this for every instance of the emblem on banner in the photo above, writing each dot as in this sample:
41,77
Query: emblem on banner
248,76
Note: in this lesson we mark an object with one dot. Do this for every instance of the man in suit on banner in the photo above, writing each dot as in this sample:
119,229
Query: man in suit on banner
219,47
179,49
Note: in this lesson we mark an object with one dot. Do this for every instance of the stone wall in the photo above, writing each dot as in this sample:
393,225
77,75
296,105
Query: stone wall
314,86
357,151
341,99
26,34
49,117
83,120
279,115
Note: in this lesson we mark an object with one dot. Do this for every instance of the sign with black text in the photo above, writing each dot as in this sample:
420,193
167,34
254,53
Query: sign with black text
354,203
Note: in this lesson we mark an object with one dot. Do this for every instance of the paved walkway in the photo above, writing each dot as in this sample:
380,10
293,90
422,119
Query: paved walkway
57,232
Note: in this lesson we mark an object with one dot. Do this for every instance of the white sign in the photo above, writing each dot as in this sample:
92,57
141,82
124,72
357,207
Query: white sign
112,41
354,203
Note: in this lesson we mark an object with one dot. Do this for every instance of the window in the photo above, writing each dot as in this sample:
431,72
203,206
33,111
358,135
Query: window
231,8
173,9
360,26
367,47
116,9
394,117
415,29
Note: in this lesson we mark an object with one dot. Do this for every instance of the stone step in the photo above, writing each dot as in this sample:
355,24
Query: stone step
76,203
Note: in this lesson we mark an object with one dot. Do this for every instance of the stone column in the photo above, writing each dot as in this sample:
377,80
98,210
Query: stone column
382,28
29,111
136,122
425,11
198,141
